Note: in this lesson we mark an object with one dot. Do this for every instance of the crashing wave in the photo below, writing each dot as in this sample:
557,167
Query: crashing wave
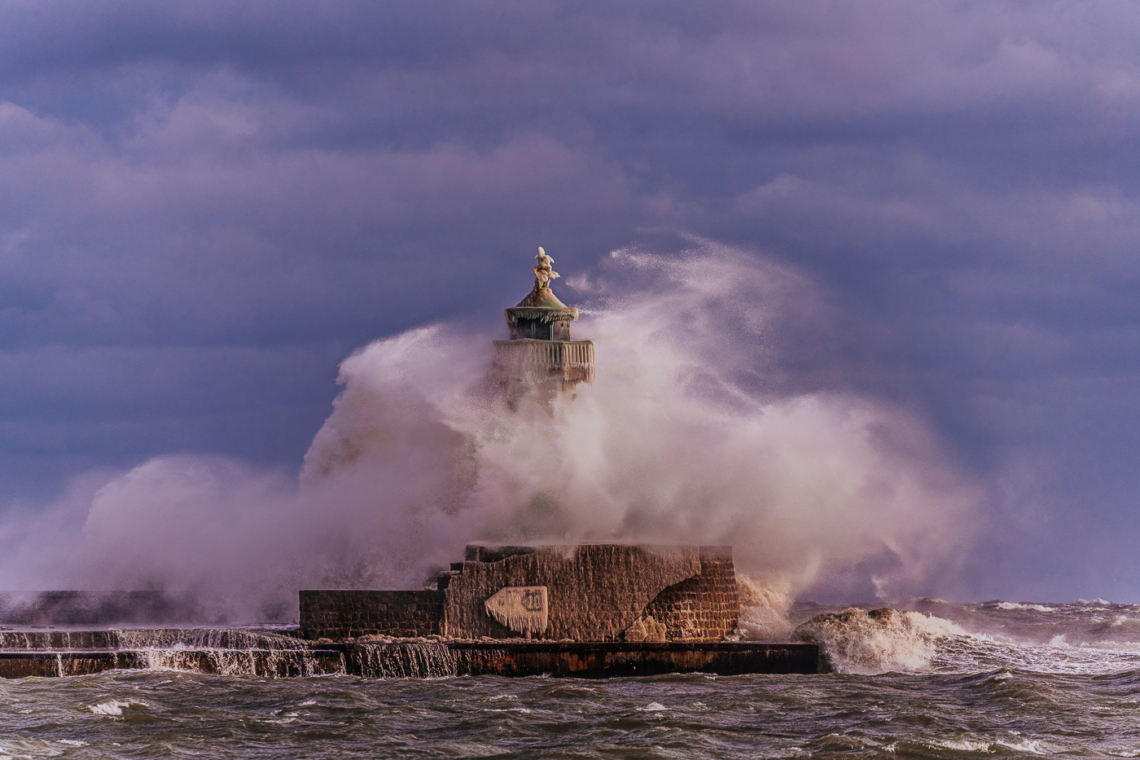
1024,606
763,610
879,641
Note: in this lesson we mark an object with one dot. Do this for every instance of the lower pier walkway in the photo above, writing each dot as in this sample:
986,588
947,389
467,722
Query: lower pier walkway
282,656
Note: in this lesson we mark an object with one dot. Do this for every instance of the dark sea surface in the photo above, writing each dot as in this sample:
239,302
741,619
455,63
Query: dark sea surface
938,681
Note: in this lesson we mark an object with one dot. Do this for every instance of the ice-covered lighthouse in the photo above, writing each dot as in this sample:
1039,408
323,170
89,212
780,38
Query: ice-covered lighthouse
540,357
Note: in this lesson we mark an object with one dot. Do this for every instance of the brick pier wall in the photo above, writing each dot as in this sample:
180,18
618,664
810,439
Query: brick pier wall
595,590
596,593
340,614
702,608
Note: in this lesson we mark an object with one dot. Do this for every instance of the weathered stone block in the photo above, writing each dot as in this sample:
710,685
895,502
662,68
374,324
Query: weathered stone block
339,614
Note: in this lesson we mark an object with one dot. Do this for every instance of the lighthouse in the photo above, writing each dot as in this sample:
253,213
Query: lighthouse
540,358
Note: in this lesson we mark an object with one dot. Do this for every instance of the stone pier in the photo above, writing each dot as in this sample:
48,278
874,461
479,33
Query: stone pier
421,659
590,592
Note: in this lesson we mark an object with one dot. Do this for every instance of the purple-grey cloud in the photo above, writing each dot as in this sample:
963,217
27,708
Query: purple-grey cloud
203,207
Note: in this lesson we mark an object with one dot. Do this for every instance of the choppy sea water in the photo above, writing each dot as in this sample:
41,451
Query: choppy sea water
941,681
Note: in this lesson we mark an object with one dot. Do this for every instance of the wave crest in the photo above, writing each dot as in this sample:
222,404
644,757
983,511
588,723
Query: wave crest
763,609
879,641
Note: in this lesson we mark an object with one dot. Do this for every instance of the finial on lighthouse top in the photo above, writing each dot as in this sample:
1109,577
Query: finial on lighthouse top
543,271
542,296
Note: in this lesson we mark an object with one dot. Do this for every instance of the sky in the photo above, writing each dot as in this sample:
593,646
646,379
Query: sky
205,207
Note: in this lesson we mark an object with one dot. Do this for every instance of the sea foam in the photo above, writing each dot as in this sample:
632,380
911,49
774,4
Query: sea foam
879,641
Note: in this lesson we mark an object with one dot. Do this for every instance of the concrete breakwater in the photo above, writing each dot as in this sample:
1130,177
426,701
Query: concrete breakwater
587,611
579,659
150,638
48,654
267,663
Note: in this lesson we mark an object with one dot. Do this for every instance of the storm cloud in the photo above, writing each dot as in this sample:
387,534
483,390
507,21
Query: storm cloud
205,207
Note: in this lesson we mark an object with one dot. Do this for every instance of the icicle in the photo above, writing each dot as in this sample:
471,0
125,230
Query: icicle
523,609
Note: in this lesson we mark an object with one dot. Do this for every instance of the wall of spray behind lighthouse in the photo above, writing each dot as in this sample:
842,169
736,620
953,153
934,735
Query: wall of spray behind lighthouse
696,430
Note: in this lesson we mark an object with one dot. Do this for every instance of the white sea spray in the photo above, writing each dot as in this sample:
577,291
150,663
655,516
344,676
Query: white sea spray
879,641
763,608
690,434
